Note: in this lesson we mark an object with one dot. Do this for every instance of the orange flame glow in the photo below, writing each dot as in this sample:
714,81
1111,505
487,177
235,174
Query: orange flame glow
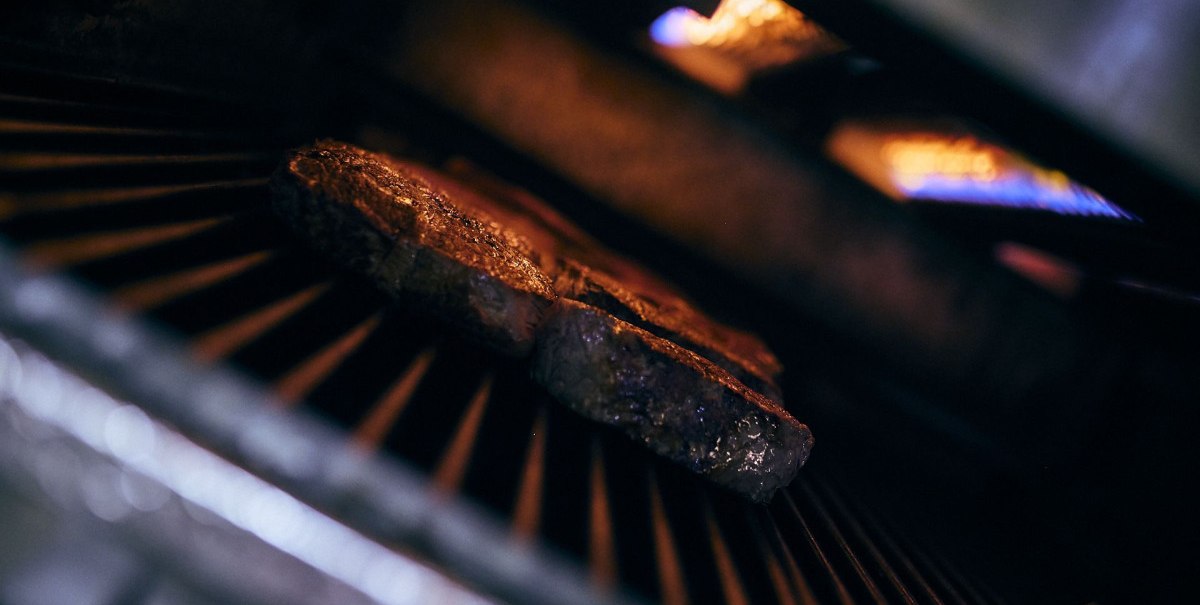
943,163
741,37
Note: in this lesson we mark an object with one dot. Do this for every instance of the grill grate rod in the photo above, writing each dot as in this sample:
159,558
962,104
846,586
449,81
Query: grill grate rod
872,551
602,558
791,585
915,558
294,386
40,133
155,291
57,201
841,593
57,254
670,569
839,539
527,513
448,476
385,413
731,586
222,341
48,162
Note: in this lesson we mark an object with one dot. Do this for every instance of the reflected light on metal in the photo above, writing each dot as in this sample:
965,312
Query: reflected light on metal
160,461
741,37
930,163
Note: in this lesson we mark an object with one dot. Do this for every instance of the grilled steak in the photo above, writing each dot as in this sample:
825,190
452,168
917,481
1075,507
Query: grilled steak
679,404
628,350
413,243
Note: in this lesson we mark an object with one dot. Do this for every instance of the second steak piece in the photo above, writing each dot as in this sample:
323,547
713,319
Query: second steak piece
677,403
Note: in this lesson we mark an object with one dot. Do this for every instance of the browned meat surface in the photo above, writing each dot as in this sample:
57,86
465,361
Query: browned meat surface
609,339
679,404
586,271
413,243
672,318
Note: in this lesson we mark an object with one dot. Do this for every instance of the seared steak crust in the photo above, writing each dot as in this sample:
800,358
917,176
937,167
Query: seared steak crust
413,243
679,404
670,317
608,339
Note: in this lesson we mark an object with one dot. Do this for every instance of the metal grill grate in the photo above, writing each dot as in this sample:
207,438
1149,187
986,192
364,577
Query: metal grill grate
160,202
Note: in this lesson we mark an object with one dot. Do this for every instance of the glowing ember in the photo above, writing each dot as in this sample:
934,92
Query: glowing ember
926,162
742,36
